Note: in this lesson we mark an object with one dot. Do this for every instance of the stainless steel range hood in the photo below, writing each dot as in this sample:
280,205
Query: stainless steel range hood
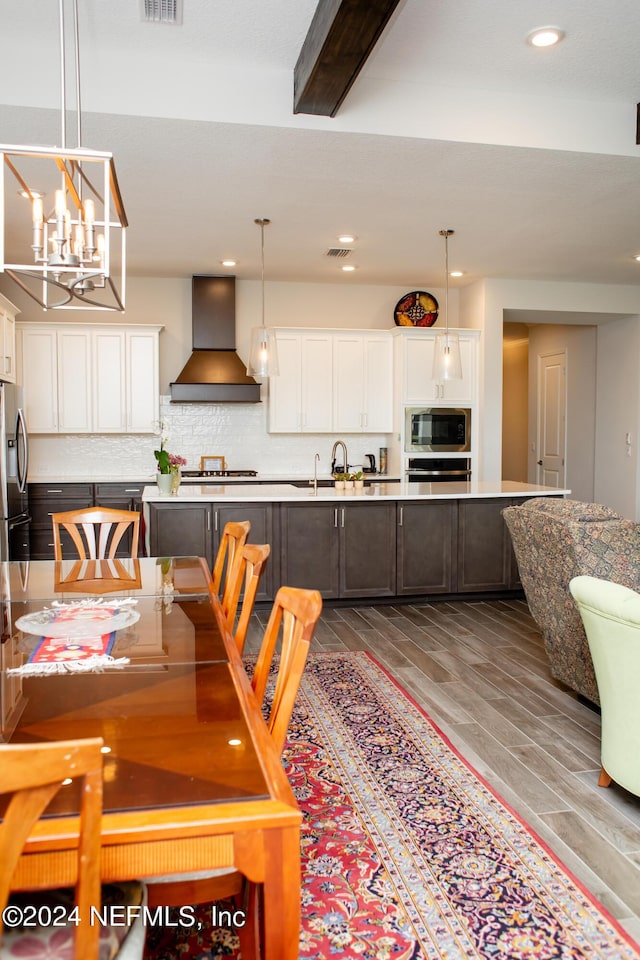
214,373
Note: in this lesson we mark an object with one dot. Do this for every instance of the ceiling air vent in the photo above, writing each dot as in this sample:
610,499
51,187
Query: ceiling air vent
161,11
339,252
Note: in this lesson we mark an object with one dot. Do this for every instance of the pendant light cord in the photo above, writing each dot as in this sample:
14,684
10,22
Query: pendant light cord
262,223
446,234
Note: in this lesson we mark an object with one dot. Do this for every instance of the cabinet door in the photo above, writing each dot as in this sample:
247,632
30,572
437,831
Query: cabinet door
426,548
39,377
317,383
348,383
142,382
419,384
285,411
378,385
260,516
484,546
109,382
8,346
367,549
181,530
74,381
310,547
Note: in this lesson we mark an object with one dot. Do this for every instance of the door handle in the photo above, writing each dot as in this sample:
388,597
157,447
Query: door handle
539,462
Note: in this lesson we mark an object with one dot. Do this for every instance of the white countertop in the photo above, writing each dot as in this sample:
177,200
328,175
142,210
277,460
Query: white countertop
284,492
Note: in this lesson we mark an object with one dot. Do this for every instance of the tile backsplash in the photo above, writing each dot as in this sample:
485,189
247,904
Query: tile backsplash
236,431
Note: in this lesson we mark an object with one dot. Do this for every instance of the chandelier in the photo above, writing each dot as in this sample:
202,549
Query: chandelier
62,214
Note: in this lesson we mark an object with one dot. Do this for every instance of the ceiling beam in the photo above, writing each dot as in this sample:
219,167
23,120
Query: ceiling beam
341,36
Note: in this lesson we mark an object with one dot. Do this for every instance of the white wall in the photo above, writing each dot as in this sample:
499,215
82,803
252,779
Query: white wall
618,413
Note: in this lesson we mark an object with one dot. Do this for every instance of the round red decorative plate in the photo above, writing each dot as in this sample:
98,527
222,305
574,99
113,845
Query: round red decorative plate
417,309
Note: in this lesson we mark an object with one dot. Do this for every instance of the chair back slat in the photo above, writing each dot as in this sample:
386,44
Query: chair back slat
253,561
228,561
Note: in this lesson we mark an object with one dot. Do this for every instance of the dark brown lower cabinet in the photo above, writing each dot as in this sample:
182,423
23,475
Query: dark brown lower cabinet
181,530
427,547
310,547
260,516
485,554
343,551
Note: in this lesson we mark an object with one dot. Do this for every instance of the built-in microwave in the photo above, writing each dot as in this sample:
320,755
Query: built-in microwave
437,429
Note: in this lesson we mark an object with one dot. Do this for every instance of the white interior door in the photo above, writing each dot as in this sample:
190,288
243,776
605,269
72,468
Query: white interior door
552,418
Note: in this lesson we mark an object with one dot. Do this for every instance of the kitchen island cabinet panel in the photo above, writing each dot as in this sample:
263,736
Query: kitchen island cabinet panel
427,547
342,551
368,550
310,548
260,516
484,547
181,530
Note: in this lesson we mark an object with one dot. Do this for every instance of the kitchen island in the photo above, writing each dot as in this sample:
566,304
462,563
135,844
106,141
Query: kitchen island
391,540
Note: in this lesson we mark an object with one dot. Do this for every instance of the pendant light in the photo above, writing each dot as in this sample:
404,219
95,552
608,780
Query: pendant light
263,356
446,355
63,209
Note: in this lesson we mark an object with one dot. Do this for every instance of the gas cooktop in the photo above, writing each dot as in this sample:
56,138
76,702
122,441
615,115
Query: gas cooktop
219,473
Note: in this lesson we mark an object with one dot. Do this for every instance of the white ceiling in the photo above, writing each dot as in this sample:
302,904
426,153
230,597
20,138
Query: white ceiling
455,122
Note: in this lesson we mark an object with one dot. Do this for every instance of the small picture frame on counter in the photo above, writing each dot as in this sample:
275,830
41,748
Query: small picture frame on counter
212,463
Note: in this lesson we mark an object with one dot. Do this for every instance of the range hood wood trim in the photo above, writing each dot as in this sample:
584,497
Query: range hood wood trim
215,393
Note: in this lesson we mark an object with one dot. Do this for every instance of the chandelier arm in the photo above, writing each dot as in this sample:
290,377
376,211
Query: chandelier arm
16,174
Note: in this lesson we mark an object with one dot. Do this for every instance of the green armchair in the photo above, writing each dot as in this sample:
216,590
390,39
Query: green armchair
611,617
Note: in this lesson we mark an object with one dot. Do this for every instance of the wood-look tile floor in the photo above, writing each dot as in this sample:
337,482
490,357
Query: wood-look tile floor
480,671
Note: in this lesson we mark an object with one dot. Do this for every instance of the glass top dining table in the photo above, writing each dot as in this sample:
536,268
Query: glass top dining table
191,777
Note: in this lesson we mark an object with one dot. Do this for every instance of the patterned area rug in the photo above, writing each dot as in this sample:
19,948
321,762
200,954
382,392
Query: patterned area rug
406,853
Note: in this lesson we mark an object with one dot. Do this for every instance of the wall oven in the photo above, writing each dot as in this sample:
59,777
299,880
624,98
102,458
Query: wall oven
438,469
437,430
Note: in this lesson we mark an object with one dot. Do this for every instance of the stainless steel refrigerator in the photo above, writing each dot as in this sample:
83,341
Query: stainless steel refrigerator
14,464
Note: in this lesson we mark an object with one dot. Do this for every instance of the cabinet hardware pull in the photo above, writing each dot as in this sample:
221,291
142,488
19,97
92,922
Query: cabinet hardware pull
132,490
335,516
342,516
54,491
401,521
215,520
208,520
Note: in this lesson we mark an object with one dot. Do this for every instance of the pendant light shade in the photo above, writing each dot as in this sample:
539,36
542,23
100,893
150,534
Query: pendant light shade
447,364
263,355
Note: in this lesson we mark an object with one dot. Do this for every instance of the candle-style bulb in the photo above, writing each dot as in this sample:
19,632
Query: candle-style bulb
61,204
37,210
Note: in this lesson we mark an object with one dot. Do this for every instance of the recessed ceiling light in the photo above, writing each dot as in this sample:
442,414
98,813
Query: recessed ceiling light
347,238
348,268
228,263
456,273
545,36
31,195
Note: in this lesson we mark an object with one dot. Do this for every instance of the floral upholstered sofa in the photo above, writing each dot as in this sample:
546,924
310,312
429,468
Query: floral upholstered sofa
555,540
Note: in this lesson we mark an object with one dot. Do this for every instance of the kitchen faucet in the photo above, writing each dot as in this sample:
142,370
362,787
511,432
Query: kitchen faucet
345,461
316,461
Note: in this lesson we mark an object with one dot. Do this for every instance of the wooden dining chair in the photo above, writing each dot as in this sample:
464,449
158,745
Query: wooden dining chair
96,532
253,561
293,618
30,777
226,567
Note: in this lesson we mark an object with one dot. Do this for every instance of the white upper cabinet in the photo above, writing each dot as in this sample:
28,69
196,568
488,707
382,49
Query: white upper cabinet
363,383
416,362
81,378
332,380
7,340
300,398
